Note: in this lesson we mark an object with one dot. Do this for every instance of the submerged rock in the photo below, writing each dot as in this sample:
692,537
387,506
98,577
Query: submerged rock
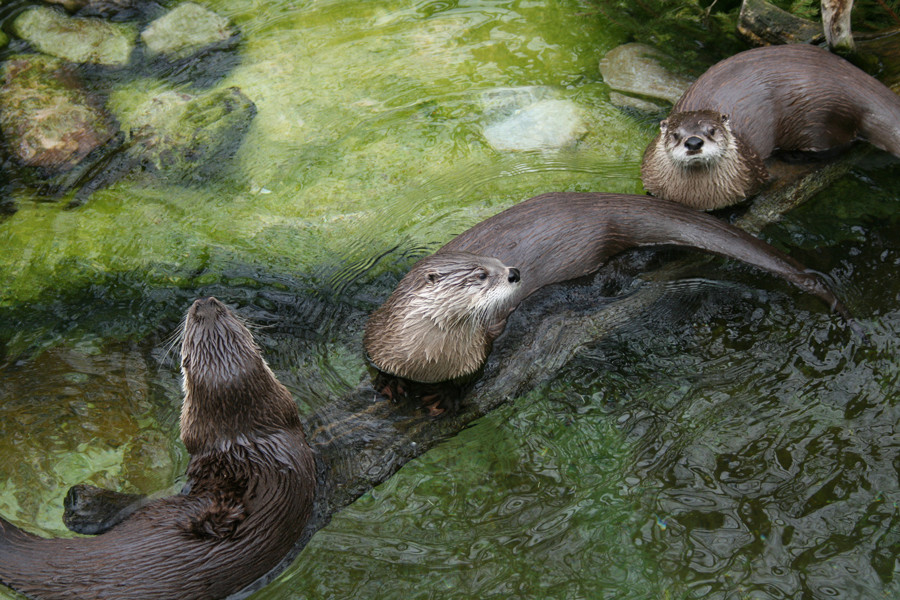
639,69
102,7
76,39
498,103
186,30
179,135
181,132
546,124
70,5
48,118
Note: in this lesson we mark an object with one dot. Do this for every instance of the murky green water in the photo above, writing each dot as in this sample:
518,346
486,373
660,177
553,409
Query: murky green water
735,442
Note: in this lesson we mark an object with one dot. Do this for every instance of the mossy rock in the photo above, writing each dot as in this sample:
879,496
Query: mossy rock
48,118
77,39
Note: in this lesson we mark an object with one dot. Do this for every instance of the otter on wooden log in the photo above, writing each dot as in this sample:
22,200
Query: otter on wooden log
250,489
710,151
440,321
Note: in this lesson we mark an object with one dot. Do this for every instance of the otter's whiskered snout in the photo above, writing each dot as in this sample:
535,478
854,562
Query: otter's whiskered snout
693,144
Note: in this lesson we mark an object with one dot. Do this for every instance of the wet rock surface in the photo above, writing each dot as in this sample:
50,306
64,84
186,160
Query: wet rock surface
543,125
638,69
47,117
183,136
77,39
180,131
186,30
52,122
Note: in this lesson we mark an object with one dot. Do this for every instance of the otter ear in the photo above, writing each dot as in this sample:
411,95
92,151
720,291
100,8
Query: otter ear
724,118
663,125
432,277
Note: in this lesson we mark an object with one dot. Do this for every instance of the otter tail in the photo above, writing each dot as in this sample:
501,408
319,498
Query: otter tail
683,226
20,556
883,130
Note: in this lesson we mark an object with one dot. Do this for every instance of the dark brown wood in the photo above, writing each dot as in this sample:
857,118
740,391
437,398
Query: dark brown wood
763,23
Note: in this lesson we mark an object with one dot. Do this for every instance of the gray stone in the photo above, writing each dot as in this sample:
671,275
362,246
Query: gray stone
547,124
638,69
503,102
76,39
186,30
181,133
641,104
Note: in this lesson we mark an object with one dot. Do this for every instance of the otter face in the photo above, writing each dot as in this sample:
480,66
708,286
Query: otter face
696,138
440,321
460,287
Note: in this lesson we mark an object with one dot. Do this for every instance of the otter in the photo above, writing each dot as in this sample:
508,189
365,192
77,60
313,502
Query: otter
439,323
447,301
250,490
710,151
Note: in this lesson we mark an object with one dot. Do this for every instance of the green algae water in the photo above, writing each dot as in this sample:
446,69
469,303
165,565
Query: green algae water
733,442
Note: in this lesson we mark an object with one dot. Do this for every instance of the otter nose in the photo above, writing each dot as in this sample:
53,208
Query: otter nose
693,143
513,275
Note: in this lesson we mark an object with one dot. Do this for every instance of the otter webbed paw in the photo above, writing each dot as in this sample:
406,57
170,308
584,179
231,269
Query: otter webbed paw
91,510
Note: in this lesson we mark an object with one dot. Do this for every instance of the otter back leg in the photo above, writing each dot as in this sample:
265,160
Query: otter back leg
90,510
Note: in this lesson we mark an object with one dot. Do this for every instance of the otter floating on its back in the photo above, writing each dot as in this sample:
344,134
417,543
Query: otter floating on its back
710,150
251,481
442,318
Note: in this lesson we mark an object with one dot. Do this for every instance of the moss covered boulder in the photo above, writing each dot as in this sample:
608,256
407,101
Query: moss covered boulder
183,136
76,39
47,117
180,132
187,30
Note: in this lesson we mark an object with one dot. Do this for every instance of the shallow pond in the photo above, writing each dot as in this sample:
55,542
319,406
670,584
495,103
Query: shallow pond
733,441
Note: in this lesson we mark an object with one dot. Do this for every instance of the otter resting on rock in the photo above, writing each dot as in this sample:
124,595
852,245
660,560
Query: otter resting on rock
251,482
710,151
440,321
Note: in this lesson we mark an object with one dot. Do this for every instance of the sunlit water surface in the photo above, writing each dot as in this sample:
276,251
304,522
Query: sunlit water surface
733,442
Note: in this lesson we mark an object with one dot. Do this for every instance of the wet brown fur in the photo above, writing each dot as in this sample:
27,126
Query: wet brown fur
251,481
777,98
553,238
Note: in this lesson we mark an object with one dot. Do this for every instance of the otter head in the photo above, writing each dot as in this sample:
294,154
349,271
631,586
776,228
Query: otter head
695,138
439,323
230,393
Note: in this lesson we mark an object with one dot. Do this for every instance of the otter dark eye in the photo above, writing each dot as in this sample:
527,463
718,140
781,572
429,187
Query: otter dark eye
481,275
711,132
